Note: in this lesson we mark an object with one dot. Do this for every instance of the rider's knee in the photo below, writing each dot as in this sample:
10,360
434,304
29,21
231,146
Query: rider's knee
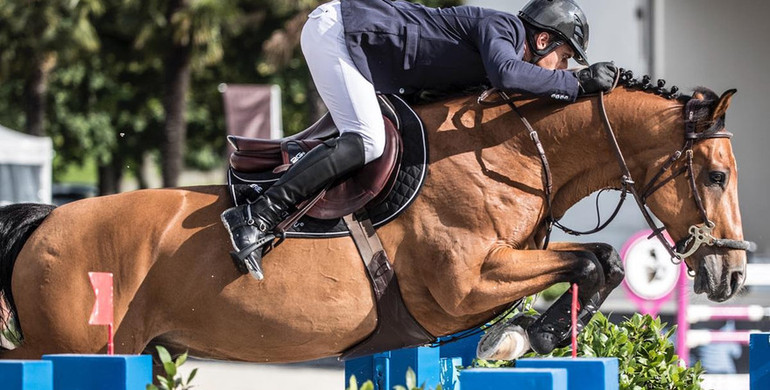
373,142
374,150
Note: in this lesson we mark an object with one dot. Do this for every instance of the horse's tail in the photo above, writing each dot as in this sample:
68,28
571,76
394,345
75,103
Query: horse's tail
17,222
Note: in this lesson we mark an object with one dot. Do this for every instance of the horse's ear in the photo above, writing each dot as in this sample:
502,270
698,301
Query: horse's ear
724,102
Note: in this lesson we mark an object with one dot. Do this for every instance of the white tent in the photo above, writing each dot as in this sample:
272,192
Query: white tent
25,167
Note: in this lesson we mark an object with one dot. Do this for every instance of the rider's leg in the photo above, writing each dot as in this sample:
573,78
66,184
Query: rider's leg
251,225
349,96
352,102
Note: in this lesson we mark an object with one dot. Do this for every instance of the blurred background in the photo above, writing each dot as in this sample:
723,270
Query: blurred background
104,96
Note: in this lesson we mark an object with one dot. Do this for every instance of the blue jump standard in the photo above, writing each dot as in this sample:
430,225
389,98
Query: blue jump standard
100,372
439,365
582,373
759,361
26,375
513,379
388,369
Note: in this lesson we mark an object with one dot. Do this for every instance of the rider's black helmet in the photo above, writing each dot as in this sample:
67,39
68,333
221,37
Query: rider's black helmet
563,18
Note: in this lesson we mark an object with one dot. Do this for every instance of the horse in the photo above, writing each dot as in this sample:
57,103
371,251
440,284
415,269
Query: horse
469,245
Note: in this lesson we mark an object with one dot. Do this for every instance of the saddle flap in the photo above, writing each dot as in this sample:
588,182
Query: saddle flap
261,162
354,193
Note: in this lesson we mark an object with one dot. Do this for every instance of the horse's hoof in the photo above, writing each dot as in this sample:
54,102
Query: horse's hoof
506,341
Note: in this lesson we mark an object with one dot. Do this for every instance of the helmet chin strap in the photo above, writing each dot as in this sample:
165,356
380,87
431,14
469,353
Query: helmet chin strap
537,55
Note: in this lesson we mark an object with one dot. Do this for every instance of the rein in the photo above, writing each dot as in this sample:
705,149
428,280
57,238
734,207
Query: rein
698,235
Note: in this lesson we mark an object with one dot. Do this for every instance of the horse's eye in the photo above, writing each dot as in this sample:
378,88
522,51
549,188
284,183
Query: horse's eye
717,178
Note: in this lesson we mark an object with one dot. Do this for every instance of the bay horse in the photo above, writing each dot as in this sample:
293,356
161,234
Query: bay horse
465,249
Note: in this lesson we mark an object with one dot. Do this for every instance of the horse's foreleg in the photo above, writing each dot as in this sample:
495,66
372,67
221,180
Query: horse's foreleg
552,328
506,274
613,273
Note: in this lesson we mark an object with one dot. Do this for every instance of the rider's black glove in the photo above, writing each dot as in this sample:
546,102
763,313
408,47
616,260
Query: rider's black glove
598,77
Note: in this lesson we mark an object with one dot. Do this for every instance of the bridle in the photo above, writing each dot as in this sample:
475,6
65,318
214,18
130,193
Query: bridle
698,235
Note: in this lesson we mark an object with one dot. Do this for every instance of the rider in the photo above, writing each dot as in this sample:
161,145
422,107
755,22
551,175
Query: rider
357,48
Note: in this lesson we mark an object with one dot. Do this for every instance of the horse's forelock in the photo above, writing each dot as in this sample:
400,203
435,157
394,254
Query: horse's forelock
704,102
703,93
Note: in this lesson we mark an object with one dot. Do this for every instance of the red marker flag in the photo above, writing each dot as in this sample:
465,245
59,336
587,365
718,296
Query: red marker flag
103,311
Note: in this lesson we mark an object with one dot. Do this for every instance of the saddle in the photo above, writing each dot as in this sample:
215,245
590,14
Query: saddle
273,157
353,206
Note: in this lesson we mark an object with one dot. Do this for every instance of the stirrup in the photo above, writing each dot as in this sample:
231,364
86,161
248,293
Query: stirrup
242,254
247,261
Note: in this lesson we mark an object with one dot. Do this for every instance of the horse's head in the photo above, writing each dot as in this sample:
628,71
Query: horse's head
699,206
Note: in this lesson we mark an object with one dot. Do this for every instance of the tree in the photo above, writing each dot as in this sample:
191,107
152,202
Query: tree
187,33
110,99
34,36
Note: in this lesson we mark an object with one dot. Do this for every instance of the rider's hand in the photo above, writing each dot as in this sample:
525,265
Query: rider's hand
598,77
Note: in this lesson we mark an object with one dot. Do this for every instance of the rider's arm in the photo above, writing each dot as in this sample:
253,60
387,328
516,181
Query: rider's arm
500,40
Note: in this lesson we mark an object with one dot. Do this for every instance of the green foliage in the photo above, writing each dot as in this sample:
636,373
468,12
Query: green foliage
411,383
34,30
552,293
171,381
353,384
645,354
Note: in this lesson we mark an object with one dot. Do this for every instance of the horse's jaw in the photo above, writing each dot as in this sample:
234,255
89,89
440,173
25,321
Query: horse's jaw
717,277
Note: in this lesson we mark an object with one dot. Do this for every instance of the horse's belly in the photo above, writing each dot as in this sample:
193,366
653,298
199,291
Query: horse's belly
308,306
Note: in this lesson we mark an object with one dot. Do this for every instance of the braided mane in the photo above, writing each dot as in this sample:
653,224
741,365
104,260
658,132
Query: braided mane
702,107
627,80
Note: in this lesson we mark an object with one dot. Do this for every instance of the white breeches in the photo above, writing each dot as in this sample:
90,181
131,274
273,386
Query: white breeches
348,95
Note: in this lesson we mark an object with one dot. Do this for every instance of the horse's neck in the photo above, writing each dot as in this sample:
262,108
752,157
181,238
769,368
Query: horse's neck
580,154
648,129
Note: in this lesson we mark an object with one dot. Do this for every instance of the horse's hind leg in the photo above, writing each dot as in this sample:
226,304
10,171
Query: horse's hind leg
553,327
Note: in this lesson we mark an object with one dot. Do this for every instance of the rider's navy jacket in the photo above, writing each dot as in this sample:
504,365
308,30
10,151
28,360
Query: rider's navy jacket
402,47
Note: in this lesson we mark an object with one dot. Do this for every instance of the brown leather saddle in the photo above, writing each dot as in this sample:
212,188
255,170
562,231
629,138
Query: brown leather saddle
347,196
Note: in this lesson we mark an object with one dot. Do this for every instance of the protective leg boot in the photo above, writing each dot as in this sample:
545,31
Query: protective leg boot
553,329
251,228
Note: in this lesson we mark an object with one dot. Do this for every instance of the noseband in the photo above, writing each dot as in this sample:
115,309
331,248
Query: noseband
698,235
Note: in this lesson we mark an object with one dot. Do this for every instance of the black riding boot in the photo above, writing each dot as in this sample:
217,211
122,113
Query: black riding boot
251,226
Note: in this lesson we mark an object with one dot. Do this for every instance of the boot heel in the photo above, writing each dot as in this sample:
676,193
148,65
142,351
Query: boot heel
239,264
